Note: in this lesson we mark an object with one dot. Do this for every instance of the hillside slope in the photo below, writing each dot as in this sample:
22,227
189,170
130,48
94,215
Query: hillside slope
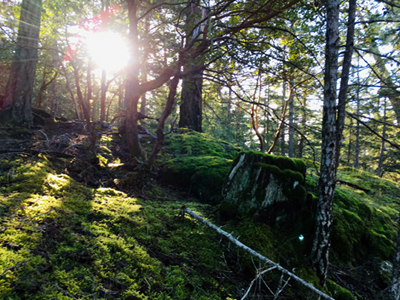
119,236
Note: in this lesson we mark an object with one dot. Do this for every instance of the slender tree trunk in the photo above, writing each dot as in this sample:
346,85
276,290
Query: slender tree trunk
77,112
54,99
303,126
229,112
19,88
291,116
42,89
349,147
345,77
86,110
357,150
380,163
103,96
161,121
282,130
327,180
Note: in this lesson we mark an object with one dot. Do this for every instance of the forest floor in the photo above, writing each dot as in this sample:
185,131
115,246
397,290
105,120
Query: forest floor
77,227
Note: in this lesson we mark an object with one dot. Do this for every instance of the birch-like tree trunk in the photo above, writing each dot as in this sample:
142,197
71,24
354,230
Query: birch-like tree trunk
327,181
345,77
19,88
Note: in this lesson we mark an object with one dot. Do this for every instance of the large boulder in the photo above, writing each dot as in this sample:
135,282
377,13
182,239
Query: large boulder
270,189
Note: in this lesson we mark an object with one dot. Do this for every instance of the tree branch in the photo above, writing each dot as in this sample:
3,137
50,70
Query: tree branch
252,252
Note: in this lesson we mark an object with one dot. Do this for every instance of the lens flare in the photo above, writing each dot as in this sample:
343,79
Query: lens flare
108,50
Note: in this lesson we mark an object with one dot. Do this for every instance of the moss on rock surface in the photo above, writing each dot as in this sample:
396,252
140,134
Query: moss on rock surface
272,194
199,162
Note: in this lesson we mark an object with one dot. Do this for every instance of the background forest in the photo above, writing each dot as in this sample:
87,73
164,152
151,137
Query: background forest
317,81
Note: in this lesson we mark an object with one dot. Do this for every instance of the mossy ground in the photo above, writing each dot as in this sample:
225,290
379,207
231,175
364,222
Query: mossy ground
89,241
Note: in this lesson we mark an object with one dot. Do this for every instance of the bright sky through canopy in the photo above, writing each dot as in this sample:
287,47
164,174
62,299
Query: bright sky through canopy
108,50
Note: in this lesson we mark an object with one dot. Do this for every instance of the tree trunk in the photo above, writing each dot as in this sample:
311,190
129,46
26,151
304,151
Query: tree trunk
326,185
132,93
19,89
349,148
380,164
77,112
143,101
161,121
86,110
357,151
303,126
190,113
103,96
282,130
291,116
345,77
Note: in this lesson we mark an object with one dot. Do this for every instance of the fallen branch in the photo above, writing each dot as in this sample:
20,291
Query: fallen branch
252,282
254,253
14,266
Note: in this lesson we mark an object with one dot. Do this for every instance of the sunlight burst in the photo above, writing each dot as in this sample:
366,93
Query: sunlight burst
108,50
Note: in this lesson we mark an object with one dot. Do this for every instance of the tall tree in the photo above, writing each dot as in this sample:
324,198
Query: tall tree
327,180
190,114
19,89
345,77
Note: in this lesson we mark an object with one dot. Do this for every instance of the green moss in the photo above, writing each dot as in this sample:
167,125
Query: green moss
281,162
205,175
338,292
192,143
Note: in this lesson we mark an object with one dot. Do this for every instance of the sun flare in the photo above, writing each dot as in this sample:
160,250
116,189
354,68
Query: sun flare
108,50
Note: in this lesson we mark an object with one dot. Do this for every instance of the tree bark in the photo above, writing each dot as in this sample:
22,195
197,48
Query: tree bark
77,112
282,126
191,111
327,181
303,126
86,109
103,96
143,101
291,116
345,78
382,151
19,89
357,150
132,93
161,121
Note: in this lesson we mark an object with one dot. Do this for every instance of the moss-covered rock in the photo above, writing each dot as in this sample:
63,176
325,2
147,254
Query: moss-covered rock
197,162
272,194
254,183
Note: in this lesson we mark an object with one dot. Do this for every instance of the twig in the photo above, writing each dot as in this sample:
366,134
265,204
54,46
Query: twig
14,266
252,282
373,131
256,254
